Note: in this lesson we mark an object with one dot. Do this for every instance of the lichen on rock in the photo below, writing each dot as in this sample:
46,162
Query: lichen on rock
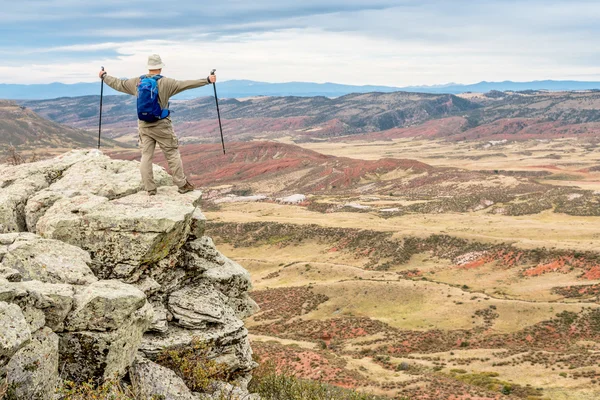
93,271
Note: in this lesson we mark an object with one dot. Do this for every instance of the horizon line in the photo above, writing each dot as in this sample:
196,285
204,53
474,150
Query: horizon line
438,85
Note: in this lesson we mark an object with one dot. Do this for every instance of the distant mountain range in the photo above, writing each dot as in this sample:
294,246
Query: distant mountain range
304,116
489,116
245,88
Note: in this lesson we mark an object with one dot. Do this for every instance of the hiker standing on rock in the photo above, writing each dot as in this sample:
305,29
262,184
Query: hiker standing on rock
154,125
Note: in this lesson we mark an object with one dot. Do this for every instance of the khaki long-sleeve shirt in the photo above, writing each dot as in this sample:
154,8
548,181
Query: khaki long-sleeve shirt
167,87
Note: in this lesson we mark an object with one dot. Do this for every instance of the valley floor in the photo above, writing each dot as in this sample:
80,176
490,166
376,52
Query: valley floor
429,305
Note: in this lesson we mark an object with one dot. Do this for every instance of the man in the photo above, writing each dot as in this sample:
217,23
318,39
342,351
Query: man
161,130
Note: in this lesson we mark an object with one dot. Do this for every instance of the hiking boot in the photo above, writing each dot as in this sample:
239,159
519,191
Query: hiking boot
152,192
188,187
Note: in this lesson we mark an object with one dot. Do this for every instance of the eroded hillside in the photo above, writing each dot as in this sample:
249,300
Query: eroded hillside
27,131
369,116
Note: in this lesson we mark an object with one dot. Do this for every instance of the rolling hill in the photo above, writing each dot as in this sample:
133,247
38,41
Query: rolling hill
26,130
305,117
270,167
368,116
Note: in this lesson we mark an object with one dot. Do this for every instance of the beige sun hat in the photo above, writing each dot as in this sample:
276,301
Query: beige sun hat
154,62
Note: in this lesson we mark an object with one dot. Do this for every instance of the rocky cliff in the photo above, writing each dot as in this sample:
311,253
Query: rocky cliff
97,279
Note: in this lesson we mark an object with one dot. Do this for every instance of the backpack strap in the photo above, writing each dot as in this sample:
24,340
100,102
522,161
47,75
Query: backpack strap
155,77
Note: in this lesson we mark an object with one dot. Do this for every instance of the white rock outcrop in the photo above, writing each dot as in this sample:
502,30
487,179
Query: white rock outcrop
94,273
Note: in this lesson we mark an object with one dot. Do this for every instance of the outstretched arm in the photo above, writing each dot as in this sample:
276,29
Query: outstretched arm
174,86
128,86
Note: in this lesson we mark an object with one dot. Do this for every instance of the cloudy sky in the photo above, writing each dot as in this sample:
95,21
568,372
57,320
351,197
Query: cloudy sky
381,42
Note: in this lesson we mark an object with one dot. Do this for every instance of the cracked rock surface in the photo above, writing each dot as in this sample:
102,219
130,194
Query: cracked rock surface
94,273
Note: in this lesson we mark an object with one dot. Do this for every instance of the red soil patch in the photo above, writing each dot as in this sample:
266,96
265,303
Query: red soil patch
593,273
559,265
308,364
205,165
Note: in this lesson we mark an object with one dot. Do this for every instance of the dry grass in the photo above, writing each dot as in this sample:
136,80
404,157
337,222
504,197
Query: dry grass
546,229
439,296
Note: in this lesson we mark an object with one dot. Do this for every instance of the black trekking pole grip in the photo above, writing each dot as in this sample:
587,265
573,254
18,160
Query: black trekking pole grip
101,96
218,112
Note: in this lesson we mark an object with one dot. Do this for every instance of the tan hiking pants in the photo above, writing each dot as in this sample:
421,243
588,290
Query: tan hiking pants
168,143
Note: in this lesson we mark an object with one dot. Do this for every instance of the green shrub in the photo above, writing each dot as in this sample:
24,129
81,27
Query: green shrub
271,385
109,390
194,365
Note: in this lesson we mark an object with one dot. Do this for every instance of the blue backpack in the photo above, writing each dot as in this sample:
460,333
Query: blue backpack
148,107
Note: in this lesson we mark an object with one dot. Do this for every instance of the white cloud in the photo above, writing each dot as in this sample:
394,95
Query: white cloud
413,43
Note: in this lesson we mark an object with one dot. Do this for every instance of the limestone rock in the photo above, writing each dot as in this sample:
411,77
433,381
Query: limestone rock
13,199
32,372
152,380
14,330
198,224
227,276
37,205
197,307
229,344
224,390
202,255
54,301
104,305
125,234
243,306
147,285
105,177
169,274
233,281
19,182
49,261
94,223
159,322
11,275
86,355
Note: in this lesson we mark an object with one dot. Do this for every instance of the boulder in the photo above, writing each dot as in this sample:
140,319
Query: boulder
90,355
14,331
227,276
151,380
229,344
49,261
32,373
124,235
202,255
13,199
20,182
104,305
147,285
105,177
52,302
11,275
198,224
200,306
37,205
169,273
159,322
163,283
223,390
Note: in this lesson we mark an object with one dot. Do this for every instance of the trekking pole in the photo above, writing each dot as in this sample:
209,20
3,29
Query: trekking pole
101,95
218,112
